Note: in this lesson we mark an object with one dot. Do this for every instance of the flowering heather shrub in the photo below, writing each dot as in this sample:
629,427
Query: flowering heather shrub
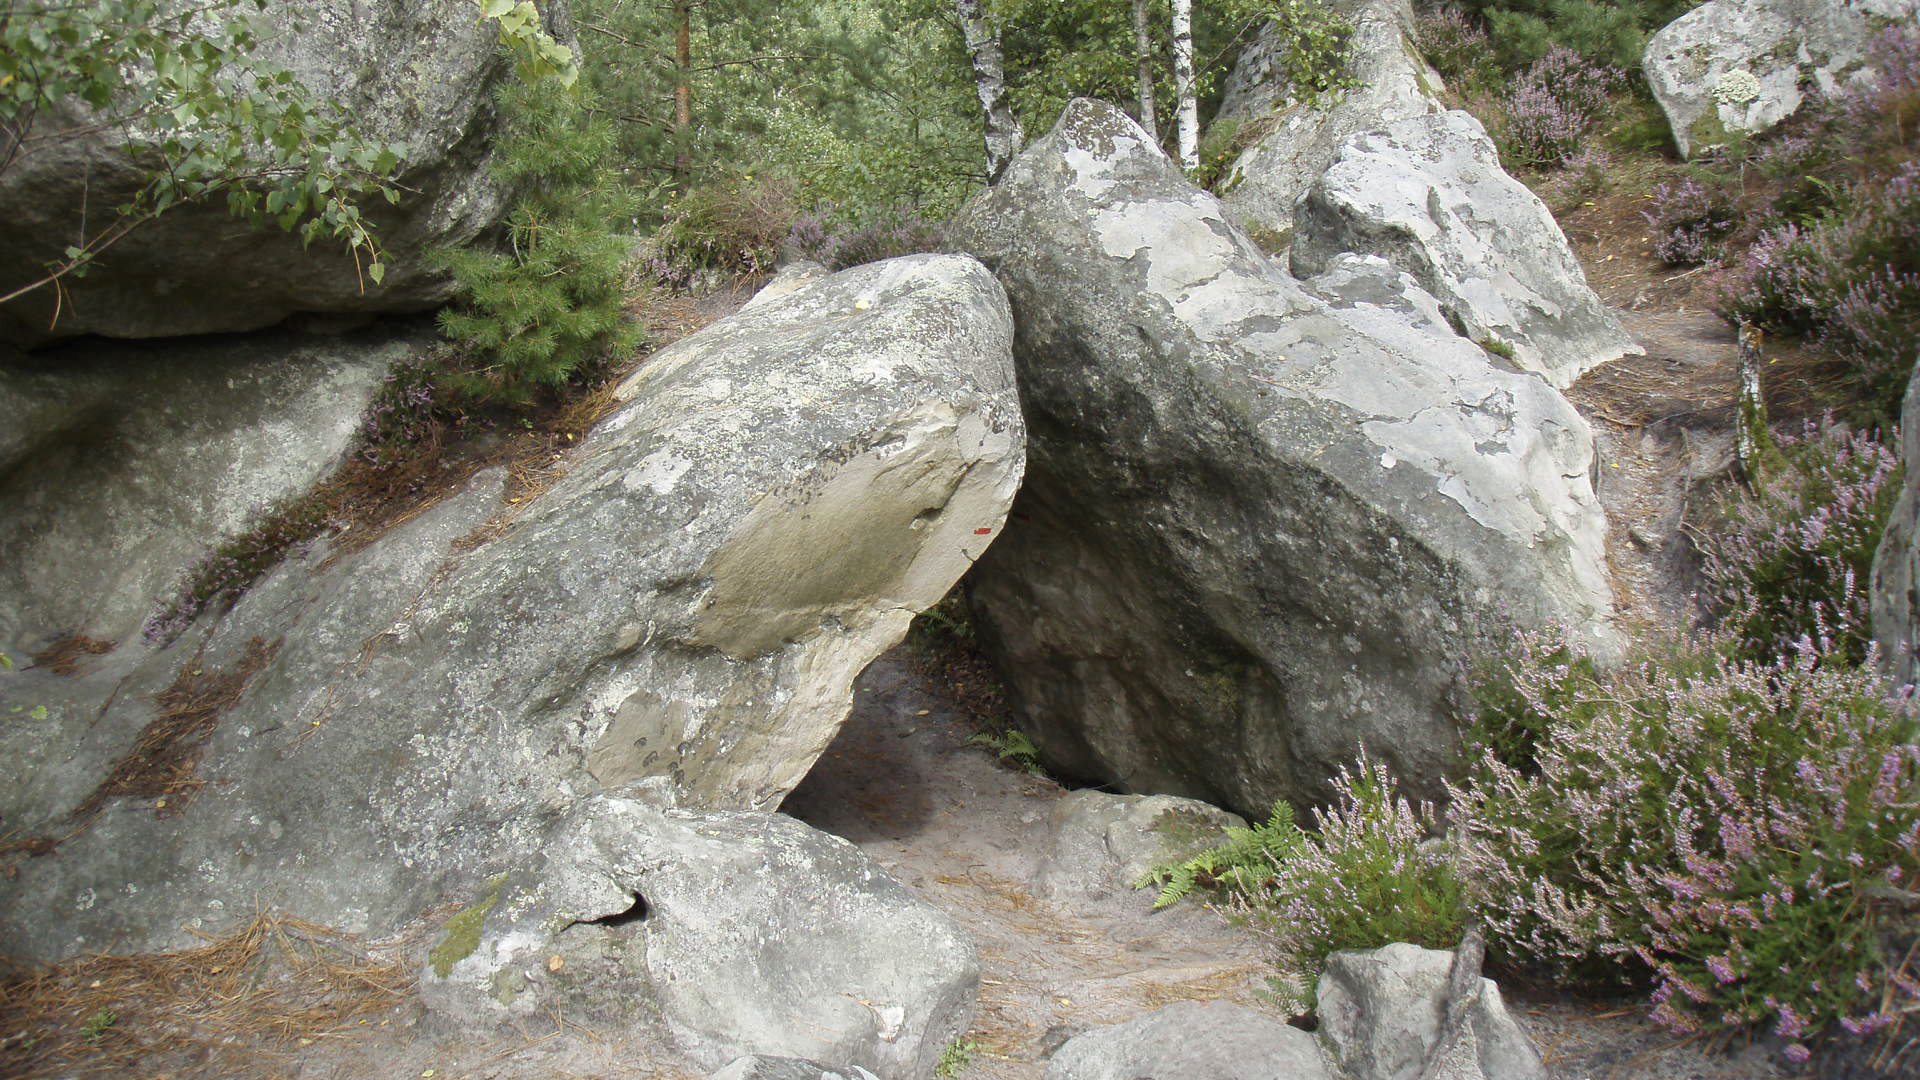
733,226
1554,105
1793,560
1852,282
1690,223
894,233
1735,829
218,578
1457,46
1370,875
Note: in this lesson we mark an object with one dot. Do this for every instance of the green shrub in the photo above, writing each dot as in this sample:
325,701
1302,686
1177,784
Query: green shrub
1371,872
530,315
733,226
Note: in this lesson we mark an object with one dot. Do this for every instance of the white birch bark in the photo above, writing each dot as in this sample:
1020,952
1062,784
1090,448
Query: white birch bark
1143,51
1004,136
1187,111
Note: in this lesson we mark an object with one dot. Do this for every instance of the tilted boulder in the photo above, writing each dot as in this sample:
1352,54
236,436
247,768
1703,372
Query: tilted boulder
1427,194
1254,532
1192,1040
421,74
745,933
773,501
1299,136
121,464
1733,67
1402,1012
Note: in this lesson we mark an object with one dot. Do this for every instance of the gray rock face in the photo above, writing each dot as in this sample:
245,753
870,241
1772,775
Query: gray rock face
774,501
1745,65
1192,1041
758,1067
1100,844
121,464
1381,1015
746,933
1253,534
420,74
1896,565
1301,138
1427,194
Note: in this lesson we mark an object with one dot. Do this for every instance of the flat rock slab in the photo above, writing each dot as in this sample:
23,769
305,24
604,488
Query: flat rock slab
1192,1040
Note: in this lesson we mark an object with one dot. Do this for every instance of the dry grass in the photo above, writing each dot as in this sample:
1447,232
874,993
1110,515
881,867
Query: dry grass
240,1005
163,761
67,654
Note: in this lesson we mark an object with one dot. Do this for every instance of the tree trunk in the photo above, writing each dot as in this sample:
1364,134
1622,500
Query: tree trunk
682,92
1004,137
1187,112
1143,49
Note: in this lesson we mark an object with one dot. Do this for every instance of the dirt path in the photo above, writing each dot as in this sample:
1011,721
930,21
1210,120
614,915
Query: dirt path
966,832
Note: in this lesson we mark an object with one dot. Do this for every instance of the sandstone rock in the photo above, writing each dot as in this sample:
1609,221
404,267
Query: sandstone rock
1382,1015
418,74
120,465
1100,844
747,933
1738,66
1427,194
1252,535
1300,138
774,500
1192,1040
758,1067
1896,565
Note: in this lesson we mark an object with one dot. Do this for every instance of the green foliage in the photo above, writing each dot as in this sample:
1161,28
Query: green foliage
1371,872
945,625
956,1058
733,225
202,118
1319,46
1015,747
1603,31
536,55
528,316
1236,867
96,1026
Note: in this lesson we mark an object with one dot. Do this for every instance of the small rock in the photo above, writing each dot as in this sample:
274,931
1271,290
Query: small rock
1192,1040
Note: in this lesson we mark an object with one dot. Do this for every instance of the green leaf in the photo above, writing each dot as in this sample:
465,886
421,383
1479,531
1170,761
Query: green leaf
377,271
39,712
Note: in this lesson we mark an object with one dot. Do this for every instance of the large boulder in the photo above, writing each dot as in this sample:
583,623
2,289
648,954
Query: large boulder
1402,1012
417,74
1298,136
773,501
1258,529
1427,194
121,464
1193,1041
746,933
1733,67
1896,565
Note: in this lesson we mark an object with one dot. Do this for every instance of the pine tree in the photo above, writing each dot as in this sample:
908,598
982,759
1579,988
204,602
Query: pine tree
530,315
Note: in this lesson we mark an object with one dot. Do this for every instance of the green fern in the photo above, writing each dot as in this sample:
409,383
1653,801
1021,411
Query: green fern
1239,864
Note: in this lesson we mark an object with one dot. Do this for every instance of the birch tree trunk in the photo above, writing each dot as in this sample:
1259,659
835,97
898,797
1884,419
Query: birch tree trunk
682,91
1143,49
1004,137
1187,108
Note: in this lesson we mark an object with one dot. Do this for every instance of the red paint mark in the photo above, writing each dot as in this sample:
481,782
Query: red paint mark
982,532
